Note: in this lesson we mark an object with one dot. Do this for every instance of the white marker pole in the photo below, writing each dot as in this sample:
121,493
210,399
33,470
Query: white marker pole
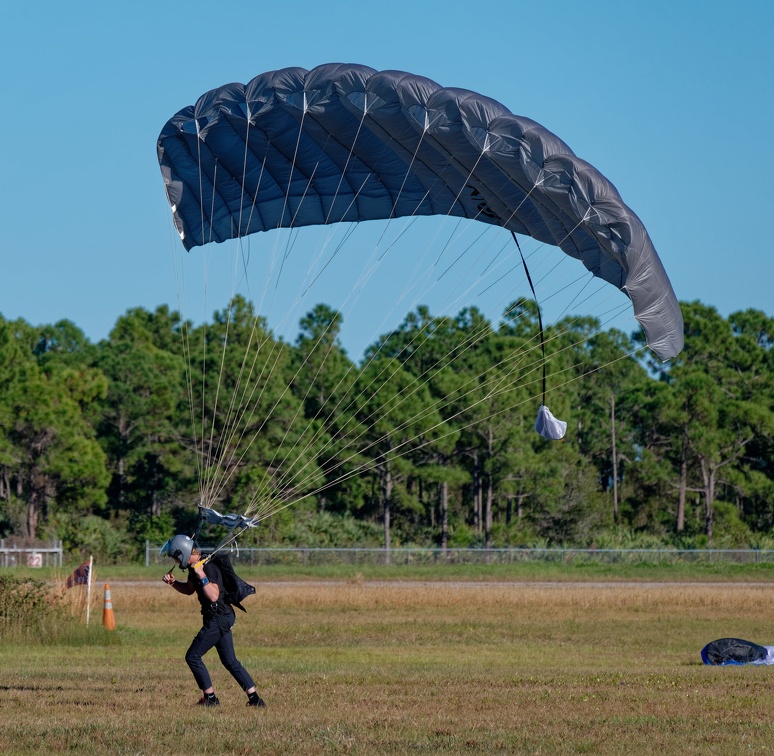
88,589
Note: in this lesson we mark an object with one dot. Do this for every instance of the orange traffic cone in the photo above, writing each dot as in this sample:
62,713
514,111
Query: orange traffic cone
108,620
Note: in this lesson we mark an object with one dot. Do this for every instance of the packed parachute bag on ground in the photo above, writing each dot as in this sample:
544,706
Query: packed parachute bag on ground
736,651
236,589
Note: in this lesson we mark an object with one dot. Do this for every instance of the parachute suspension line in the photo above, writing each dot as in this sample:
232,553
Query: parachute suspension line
539,182
254,197
212,202
201,429
473,336
235,411
287,249
471,339
365,276
335,253
414,217
214,454
361,450
248,403
369,272
465,251
185,339
589,278
540,317
321,366
465,183
322,428
309,442
209,449
229,435
356,194
364,467
292,168
495,391
201,182
503,386
293,220
405,230
562,260
209,487
402,186
291,241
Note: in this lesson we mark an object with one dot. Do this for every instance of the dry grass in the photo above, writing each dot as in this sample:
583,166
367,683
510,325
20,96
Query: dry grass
367,668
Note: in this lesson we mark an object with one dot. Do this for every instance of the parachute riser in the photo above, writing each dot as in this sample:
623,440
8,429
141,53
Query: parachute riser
228,540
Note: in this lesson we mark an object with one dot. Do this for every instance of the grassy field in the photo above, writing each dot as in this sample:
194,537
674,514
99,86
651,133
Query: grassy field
372,666
528,571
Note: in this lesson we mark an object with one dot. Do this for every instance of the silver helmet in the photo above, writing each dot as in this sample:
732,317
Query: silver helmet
179,547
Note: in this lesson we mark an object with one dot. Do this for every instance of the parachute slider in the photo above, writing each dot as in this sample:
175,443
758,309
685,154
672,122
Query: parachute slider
228,520
548,426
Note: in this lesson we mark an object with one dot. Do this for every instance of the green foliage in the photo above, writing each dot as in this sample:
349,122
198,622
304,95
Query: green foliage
107,445
108,542
29,609
322,529
146,527
731,530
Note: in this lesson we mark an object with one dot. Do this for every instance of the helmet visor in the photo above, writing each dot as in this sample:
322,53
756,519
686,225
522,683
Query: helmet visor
166,550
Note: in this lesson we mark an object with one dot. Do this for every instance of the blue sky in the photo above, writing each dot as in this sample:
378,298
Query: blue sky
670,99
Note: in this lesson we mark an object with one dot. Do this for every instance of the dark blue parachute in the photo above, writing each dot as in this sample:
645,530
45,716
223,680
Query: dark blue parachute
347,143
726,651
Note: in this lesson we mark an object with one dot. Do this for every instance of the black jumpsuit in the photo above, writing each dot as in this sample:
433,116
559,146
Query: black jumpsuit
218,619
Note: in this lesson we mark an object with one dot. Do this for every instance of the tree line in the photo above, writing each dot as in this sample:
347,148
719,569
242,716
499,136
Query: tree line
427,439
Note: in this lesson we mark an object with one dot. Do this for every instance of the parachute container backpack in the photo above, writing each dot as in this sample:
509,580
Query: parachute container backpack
236,589
348,144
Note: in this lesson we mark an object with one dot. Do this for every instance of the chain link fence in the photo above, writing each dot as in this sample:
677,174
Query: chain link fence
30,555
266,557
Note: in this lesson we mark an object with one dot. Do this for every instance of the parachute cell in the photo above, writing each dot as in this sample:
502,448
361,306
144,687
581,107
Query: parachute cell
347,143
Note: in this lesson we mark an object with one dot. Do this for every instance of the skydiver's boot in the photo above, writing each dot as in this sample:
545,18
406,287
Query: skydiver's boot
253,699
208,699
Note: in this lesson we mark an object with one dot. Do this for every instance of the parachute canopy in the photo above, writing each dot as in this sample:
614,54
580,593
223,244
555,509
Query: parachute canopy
736,651
348,143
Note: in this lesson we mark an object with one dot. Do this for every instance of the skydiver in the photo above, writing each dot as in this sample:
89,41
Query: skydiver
217,620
